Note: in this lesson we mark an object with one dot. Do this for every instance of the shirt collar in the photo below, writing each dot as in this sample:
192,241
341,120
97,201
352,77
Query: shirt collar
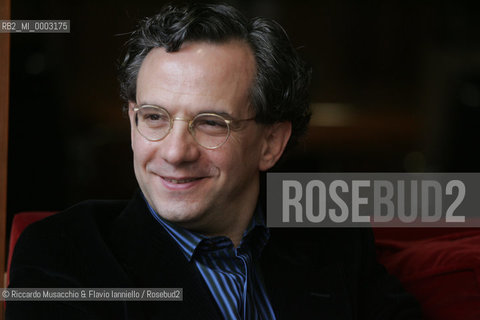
254,238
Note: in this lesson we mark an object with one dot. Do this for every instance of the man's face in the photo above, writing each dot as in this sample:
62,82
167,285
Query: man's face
210,191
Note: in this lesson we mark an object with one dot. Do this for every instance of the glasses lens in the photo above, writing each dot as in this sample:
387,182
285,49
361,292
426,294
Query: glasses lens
153,123
210,131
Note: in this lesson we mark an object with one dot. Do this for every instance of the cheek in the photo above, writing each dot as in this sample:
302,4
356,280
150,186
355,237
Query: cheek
142,151
249,149
238,159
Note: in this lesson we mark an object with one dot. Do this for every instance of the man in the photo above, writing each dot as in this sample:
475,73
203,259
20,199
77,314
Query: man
213,100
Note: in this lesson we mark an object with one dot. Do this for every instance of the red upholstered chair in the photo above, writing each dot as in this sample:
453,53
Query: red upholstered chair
439,266
20,222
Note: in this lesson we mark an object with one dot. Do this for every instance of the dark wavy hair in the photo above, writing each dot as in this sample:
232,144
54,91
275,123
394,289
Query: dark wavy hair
280,91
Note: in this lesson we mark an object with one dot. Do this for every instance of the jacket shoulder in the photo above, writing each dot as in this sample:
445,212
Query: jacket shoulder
90,211
65,249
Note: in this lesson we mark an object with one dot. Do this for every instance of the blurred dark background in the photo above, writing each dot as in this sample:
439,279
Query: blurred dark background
396,87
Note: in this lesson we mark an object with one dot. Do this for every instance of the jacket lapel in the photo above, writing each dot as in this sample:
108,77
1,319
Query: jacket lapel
153,260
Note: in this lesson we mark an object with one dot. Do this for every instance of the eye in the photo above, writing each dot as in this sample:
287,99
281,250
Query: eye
210,125
152,117
210,122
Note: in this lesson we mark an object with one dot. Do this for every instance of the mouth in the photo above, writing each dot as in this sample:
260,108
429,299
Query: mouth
180,181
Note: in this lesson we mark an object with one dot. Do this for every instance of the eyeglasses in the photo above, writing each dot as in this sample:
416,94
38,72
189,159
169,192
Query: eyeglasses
209,130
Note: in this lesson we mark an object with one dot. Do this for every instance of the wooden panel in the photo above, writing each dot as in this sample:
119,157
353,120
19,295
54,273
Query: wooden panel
4,89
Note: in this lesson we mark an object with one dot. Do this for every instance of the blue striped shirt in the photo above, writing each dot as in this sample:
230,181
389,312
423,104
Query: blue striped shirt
232,274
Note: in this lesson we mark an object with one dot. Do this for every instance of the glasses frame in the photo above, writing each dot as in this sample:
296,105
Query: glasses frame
190,124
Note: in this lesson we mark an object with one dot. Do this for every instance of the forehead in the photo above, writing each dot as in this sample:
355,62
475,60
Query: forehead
212,73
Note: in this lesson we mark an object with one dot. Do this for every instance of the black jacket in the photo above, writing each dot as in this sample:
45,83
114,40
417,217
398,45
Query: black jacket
308,273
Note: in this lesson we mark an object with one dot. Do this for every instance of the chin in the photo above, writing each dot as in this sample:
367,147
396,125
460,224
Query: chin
178,212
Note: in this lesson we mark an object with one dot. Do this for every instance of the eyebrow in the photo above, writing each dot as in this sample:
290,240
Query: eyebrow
224,114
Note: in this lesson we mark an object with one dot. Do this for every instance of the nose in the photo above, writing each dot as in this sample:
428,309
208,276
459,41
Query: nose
178,146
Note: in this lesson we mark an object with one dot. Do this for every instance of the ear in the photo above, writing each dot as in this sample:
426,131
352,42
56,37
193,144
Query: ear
275,140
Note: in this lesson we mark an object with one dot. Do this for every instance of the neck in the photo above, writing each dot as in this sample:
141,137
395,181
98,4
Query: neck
236,216
235,230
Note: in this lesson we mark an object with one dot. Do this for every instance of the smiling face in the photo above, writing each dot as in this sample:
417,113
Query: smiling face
213,192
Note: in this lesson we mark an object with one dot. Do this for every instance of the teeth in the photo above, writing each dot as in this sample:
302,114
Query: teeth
180,181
